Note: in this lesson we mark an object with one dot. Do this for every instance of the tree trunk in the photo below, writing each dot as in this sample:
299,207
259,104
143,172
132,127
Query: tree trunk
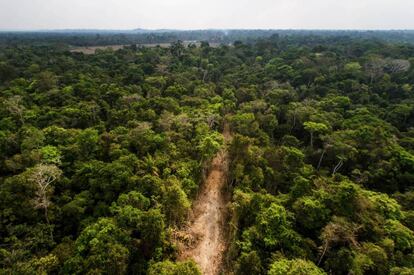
294,121
48,223
320,159
204,76
337,167
323,254
46,216
311,141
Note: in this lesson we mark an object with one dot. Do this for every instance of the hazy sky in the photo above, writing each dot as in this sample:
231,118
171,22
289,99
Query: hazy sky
202,14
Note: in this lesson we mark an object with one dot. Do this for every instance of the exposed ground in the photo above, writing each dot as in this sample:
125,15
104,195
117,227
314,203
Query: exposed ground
92,49
205,236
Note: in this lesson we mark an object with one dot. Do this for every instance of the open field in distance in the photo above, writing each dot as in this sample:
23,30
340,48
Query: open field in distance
92,49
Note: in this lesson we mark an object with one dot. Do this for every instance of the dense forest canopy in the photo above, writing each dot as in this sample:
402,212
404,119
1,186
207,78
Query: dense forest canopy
102,155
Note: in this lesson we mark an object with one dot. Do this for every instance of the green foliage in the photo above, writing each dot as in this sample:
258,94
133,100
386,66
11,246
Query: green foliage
209,145
311,213
100,248
272,222
175,202
298,266
353,68
50,155
245,124
401,235
249,263
87,141
370,258
101,154
170,268
315,127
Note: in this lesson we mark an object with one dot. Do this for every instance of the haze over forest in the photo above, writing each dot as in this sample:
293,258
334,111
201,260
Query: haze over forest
200,14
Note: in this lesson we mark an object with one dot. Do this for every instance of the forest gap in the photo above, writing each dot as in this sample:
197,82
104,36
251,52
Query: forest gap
207,227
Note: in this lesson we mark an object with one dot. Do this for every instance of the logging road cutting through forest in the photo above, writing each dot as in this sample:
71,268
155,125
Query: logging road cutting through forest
207,228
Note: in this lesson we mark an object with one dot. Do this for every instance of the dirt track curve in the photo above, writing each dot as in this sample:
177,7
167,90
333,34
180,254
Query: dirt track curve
207,228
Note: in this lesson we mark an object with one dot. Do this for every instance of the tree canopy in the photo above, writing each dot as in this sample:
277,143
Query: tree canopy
101,155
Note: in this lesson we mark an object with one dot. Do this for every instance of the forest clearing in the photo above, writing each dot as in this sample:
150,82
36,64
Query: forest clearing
208,226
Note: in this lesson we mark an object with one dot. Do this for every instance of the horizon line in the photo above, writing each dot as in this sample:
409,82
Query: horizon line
198,29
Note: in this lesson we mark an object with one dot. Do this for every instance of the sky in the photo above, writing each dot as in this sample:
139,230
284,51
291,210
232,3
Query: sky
206,14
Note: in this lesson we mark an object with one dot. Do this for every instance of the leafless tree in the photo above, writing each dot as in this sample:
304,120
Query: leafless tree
338,230
42,176
212,120
375,68
397,65
128,100
15,107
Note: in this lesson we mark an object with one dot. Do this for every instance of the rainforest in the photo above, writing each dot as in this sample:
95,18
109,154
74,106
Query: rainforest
249,152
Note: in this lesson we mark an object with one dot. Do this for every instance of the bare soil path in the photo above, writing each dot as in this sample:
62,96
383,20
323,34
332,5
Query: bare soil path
207,229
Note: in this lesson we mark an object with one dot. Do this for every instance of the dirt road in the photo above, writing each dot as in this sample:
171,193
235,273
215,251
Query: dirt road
208,226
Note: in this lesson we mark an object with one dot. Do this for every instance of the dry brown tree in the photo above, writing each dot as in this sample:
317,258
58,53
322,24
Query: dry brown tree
42,176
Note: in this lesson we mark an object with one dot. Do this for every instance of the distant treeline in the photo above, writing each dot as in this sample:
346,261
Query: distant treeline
102,37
